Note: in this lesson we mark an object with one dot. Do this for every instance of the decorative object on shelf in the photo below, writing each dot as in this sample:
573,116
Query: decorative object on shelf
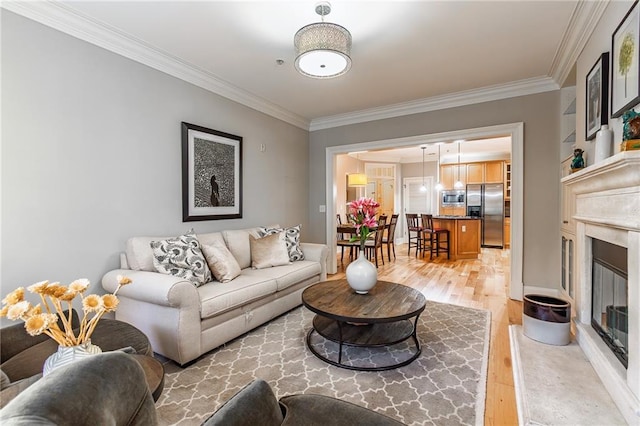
604,144
630,131
68,354
362,275
578,161
45,320
597,84
211,174
625,81
322,49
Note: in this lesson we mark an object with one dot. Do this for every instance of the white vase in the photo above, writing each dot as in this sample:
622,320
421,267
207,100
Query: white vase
362,275
604,144
68,354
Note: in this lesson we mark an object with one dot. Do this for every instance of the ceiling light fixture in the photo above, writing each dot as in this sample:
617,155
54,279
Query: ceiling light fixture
423,188
439,186
357,180
323,48
458,184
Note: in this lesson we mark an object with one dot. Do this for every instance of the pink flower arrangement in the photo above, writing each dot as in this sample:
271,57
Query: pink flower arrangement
362,213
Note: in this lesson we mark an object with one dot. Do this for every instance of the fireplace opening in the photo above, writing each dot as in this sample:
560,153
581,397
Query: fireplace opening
609,296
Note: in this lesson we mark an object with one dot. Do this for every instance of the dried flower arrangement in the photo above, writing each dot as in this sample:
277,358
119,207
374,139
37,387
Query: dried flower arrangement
37,322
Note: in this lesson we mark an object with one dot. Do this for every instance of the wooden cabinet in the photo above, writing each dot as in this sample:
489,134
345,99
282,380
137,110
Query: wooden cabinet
450,173
475,173
507,232
567,206
493,172
568,265
507,181
481,172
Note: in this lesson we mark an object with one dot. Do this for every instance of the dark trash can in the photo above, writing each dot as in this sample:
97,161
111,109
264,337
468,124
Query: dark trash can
547,319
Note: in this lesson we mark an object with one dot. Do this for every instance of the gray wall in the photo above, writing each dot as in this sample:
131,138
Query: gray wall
540,114
91,152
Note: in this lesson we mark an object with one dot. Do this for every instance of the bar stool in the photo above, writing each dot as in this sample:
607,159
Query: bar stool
433,235
414,234
389,240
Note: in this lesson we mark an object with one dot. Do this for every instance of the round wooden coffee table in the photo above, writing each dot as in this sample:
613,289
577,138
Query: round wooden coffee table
380,318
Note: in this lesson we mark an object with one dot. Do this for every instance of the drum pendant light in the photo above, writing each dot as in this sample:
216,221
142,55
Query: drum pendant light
323,49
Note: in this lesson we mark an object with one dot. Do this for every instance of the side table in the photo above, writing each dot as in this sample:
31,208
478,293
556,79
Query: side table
154,373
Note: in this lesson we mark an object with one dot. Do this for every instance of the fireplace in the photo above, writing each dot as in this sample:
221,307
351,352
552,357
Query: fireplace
605,199
609,310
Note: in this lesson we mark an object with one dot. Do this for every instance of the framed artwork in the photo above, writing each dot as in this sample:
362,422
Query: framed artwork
625,79
597,84
211,174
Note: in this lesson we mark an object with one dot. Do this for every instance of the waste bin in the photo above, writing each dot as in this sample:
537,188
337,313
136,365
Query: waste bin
547,319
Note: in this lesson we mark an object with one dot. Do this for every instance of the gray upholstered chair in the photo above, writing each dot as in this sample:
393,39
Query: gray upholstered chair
105,389
256,404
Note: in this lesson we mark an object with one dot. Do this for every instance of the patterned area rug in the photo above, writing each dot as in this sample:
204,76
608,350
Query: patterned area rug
444,386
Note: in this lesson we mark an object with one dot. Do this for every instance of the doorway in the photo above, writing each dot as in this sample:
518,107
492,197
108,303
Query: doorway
513,130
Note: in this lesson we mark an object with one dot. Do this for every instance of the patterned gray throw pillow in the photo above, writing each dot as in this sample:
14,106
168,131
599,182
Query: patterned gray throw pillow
292,238
181,257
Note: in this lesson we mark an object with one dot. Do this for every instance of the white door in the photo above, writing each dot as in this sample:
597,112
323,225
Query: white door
415,200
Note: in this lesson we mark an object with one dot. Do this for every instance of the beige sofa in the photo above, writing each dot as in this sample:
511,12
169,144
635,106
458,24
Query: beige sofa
183,321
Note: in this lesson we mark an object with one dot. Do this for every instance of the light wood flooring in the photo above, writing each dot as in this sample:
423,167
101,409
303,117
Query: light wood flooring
481,283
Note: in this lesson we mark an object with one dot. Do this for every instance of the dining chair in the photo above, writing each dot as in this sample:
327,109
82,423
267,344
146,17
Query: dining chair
372,246
343,241
433,234
414,234
389,240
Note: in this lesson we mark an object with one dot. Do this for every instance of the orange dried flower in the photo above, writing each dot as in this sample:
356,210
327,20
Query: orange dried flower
14,297
110,302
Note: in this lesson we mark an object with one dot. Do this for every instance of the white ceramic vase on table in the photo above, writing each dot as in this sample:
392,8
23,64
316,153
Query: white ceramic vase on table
362,275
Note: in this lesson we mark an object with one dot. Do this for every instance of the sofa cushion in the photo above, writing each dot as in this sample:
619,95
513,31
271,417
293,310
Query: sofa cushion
216,298
286,275
268,251
238,244
292,238
221,262
181,257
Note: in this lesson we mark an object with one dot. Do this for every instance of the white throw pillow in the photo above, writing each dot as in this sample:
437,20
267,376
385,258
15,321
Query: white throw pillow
181,257
221,262
292,238
268,251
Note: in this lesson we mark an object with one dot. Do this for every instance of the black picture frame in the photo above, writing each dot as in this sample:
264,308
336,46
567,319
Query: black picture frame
597,96
211,174
625,65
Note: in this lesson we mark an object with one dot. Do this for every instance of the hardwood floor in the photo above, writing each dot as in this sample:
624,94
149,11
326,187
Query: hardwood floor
480,283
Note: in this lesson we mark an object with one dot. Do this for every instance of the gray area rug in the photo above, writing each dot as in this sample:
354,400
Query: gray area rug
446,385
556,385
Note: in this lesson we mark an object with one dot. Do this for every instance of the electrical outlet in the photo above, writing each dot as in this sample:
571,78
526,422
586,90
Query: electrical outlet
464,228
323,208
263,147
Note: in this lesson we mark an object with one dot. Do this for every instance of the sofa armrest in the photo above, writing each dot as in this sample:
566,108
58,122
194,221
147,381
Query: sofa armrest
153,287
318,253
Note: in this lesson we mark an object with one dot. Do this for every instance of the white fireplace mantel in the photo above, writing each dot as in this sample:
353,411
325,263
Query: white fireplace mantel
606,206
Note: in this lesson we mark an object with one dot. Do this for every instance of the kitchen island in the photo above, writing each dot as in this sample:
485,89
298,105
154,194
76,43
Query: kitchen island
464,234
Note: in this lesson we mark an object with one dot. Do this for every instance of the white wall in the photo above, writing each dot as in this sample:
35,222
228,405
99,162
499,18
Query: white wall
91,155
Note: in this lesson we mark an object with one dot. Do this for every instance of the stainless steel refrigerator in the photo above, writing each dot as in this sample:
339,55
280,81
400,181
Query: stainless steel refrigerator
487,202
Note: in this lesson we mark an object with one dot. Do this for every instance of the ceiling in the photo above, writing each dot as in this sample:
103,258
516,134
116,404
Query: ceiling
404,52
443,152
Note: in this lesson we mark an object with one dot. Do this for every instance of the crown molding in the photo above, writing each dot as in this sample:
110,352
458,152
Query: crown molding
66,19
584,19
468,97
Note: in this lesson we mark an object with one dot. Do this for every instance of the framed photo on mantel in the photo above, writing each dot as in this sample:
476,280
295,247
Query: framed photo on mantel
211,174
597,84
625,78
